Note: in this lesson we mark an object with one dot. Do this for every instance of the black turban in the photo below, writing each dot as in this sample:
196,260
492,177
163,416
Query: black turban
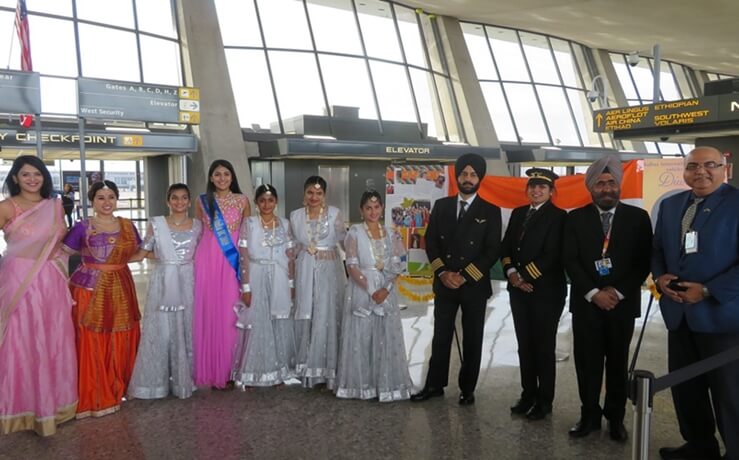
470,159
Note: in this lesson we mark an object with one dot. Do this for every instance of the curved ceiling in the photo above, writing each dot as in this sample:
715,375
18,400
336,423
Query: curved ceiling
701,34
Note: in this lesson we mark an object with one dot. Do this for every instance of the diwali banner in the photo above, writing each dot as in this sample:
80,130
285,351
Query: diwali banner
662,178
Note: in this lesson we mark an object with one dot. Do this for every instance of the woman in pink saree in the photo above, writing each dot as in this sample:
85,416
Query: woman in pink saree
38,362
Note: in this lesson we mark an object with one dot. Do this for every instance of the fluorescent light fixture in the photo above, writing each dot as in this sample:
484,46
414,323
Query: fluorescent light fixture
127,130
551,148
627,151
454,143
316,136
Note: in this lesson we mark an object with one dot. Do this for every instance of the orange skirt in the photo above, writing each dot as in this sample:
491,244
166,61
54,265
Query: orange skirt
106,361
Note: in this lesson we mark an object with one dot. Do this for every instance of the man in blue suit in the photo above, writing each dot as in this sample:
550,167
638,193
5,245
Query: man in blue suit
695,263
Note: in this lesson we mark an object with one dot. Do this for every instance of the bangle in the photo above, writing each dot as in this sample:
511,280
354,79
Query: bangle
245,288
291,283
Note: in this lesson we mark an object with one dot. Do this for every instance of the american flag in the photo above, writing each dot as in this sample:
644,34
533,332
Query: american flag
24,37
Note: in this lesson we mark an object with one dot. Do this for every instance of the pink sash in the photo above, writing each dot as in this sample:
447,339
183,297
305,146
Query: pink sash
34,234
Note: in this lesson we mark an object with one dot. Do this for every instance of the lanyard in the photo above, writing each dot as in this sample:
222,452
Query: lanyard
606,242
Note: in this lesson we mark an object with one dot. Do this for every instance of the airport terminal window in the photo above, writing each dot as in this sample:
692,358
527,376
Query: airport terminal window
337,71
161,61
534,86
394,77
157,17
113,12
153,58
249,68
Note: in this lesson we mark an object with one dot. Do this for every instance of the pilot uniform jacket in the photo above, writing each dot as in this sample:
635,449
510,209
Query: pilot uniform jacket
471,246
537,253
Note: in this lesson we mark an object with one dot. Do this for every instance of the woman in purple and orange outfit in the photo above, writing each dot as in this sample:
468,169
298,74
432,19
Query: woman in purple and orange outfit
221,210
106,313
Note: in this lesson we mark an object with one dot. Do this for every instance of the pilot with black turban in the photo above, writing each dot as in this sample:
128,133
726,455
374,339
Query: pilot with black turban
462,243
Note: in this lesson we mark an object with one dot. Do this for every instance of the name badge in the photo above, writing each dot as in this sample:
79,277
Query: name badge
603,266
691,242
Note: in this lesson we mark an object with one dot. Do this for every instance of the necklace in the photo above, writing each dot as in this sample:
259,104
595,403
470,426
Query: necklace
312,229
270,236
177,224
377,246
112,219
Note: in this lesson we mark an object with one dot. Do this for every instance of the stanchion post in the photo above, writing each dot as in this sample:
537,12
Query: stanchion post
642,386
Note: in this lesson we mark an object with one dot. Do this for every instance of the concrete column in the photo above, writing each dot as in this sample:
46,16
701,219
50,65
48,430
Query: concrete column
156,182
474,118
204,61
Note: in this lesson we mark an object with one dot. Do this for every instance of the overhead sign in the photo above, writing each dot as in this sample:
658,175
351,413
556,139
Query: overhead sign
670,113
120,100
358,150
20,92
102,140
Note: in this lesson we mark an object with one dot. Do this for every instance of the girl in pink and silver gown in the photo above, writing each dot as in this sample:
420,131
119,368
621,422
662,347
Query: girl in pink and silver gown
216,277
38,362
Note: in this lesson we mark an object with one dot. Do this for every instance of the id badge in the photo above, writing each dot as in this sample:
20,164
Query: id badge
603,266
691,242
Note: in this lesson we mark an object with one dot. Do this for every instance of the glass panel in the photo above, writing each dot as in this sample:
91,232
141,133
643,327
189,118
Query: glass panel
434,48
712,76
539,58
682,80
668,148
557,114
347,83
477,45
59,95
10,47
644,80
583,117
238,22
378,30
508,54
412,43
667,83
624,77
499,111
252,89
279,16
393,93
157,17
566,63
526,113
651,147
97,59
298,93
115,12
60,7
334,26
454,129
53,46
426,100
161,61
582,65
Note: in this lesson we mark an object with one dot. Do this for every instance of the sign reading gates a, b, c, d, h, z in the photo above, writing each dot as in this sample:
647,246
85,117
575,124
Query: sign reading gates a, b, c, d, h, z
120,100
669,113
20,92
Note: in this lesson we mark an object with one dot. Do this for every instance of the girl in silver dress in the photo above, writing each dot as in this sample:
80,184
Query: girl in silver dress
265,353
373,361
164,360
318,229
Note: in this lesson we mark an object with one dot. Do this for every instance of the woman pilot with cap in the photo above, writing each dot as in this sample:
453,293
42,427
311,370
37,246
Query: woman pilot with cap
532,261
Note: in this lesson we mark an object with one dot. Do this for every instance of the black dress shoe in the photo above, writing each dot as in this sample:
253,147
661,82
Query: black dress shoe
584,427
522,406
539,411
427,393
466,399
617,431
690,451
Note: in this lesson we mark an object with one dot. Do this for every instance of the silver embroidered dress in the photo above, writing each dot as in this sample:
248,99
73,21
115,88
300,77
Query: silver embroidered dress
373,362
164,360
265,349
319,292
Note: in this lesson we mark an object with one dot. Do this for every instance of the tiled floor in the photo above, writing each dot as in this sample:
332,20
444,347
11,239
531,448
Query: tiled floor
291,422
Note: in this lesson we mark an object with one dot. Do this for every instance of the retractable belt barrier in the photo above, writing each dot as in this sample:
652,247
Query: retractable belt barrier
644,385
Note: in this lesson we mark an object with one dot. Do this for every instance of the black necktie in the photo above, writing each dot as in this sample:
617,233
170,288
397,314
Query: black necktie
526,219
605,222
462,210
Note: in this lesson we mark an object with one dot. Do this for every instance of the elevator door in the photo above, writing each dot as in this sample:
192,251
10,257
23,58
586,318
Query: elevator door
337,181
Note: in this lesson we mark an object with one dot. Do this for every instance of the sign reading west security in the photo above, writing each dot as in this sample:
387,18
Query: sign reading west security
120,100
20,92
670,113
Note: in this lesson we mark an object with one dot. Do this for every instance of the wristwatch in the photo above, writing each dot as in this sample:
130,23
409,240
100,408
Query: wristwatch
706,293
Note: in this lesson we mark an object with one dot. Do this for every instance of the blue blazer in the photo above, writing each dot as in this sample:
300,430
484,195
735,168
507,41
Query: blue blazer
715,265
